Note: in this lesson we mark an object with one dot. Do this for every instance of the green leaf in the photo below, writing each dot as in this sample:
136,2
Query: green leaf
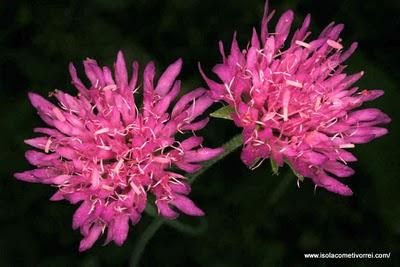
223,113
299,176
274,167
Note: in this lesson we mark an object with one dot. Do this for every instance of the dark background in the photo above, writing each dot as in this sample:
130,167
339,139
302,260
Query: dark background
245,226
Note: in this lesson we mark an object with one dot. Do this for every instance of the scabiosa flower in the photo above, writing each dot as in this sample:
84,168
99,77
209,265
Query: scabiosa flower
295,103
103,151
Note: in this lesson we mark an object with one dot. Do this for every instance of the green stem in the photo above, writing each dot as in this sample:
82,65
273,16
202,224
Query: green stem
280,188
181,227
145,237
228,147
143,240
188,229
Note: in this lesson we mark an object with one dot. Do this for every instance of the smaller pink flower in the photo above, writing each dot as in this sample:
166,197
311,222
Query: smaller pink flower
295,103
101,150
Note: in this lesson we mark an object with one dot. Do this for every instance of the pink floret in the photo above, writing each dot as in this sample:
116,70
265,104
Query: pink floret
294,101
103,151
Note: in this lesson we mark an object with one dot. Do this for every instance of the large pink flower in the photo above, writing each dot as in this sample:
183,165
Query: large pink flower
105,152
295,103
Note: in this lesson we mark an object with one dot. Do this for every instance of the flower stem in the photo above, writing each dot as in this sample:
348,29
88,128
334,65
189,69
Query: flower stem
228,147
188,229
280,188
146,236
181,227
143,240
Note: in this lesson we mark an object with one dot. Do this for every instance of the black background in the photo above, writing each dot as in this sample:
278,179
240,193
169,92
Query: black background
245,227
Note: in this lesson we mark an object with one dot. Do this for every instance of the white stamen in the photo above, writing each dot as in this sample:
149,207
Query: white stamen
268,116
101,131
107,187
285,104
335,136
58,114
176,181
120,209
301,43
161,160
294,83
334,44
118,166
92,207
104,147
156,184
347,146
95,179
257,165
101,166
47,146
135,188
317,103
111,87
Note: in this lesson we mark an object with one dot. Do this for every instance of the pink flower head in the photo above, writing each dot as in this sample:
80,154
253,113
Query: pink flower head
105,152
295,103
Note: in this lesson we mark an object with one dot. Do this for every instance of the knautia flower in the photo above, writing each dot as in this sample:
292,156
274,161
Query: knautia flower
295,103
103,151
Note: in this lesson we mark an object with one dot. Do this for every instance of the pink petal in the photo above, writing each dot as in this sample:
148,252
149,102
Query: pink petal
81,214
191,142
196,125
202,154
185,100
188,167
121,75
168,77
165,210
26,176
76,81
186,205
338,169
134,78
89,240
332,185
120,229
283,27
368,114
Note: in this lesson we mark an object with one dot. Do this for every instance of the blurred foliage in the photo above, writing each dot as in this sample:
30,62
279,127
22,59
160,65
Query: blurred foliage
39,38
